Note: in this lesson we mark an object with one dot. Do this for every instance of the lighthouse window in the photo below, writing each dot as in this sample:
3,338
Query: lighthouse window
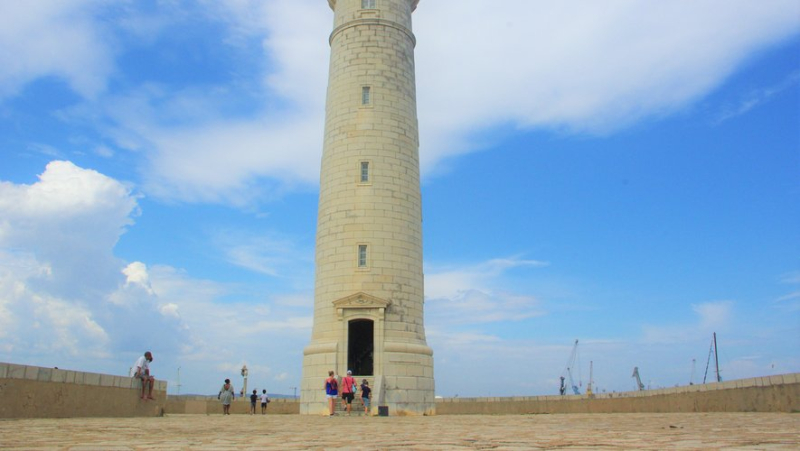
364,171
365,95
367,4
362,255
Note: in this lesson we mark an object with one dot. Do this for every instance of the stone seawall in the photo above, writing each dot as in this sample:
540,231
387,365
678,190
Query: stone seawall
36,392
760,394
207,405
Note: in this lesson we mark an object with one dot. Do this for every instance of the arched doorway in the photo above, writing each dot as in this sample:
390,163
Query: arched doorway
360,346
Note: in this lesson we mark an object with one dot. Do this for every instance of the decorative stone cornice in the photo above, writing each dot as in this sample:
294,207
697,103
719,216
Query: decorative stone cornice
361,300
414,4
384,22
408,348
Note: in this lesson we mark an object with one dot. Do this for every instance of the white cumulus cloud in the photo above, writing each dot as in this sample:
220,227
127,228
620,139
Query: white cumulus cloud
575,65
476,294
136,273
63,293
53,38
713,316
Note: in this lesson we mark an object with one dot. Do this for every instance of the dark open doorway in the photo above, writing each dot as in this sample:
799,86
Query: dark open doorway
360,348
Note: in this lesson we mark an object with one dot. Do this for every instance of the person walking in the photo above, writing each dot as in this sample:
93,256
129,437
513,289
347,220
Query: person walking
253,400
331,392
226,395
348,391
365,395
264,402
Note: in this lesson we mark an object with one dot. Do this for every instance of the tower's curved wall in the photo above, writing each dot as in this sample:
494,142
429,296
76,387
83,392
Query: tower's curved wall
369,229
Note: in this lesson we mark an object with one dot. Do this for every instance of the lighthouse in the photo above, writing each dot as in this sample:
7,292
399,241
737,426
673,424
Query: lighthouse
368,299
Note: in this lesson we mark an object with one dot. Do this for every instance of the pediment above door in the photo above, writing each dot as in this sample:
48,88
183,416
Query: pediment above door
360,300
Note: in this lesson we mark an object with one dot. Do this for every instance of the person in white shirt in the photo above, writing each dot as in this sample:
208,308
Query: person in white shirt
141,371
264,401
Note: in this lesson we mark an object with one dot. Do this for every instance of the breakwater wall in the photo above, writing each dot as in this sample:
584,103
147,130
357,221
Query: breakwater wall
36,392
779,393
209,405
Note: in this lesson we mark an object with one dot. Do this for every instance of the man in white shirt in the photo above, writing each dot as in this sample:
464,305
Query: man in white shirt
141,371
264,401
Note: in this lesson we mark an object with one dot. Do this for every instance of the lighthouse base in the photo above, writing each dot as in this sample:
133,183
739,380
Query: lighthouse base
406,385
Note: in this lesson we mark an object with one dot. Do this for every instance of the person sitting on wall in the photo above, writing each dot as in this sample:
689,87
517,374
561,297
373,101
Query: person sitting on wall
142,372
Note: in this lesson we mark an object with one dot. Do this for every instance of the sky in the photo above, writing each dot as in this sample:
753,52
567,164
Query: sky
624,173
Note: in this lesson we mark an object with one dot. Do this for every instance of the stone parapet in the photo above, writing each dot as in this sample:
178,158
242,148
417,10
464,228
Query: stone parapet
210,405
760,394
780,393
37,392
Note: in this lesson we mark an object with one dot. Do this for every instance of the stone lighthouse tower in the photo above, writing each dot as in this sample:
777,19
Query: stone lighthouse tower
368,304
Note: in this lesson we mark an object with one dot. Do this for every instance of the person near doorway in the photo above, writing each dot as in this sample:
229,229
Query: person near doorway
365,395
331,392
348,391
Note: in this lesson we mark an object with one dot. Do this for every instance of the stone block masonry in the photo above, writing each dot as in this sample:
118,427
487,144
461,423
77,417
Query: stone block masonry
769,394
36,392
369,289
210,405
779,393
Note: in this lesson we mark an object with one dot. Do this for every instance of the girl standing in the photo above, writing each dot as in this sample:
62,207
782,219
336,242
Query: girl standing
365,393
226,396
331,391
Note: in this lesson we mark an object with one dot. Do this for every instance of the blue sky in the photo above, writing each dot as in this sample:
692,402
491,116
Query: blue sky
624,173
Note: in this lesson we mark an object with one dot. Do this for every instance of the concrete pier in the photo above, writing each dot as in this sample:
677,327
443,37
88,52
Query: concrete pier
37,392
683,431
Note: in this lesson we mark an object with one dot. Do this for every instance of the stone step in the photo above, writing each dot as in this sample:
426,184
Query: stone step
357,407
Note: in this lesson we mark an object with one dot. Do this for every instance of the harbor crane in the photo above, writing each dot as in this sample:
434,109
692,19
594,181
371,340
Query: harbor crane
638,379
713,349
568,372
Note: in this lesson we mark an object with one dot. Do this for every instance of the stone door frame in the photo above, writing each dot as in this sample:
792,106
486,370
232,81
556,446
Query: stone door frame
361,306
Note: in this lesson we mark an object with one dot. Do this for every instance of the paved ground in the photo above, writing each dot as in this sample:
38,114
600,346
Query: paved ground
705,431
